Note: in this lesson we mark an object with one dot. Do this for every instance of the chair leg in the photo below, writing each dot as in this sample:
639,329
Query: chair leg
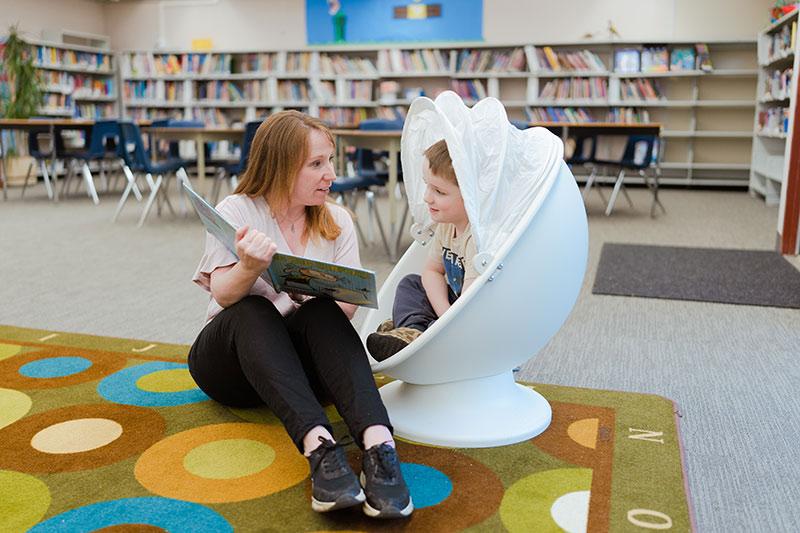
373,213
615,192
87,178
155,186
130,186
652,184
25,183
589,183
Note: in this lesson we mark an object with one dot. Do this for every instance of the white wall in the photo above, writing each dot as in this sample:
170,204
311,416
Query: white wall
34,15
275,24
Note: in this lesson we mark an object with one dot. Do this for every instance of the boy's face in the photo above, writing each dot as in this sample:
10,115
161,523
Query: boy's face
443,198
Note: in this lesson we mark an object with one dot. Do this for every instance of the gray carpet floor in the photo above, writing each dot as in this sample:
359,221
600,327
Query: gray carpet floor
732,369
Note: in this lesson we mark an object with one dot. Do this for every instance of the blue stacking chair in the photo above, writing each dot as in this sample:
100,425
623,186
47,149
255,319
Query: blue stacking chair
235,169
585,155
640,152
520,124
40,157
131,137
102,146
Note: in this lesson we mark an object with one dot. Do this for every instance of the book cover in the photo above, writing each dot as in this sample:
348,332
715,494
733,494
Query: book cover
292,273
626,60
682,59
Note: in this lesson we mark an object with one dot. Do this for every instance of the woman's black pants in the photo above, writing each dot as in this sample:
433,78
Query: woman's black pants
250,355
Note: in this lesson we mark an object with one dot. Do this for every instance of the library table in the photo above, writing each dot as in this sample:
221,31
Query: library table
381,140
200,136
49,125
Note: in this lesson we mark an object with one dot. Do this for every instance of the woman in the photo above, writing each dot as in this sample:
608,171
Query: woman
259,346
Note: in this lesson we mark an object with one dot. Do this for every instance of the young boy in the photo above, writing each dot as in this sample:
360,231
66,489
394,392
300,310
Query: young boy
448,270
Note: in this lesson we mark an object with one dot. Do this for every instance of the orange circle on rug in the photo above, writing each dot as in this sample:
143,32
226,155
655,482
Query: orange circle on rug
162,469
101,364
36,444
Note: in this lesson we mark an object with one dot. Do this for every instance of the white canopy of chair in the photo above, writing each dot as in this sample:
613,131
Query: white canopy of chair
500,168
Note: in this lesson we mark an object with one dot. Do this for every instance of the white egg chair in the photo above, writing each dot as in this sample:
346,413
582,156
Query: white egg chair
454,385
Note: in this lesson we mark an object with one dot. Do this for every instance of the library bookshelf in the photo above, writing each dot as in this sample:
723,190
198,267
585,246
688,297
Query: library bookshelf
775,107
79,81
707,113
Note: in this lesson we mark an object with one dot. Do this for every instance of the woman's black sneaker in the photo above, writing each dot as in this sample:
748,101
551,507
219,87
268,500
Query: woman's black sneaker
333,483
387,492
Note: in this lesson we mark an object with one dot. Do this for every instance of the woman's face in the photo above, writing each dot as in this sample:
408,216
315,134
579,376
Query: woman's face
313,182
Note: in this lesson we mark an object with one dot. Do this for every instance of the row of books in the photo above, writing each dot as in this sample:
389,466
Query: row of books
469,89
343,116
141,114
211,117
491,61
92,111
777,45
66,82
391,112
773,121
575,88
662,59
58,57
628,115
777,86
357,90
227,91
338,64
572,115
403,61
294,91
640,89
567,61
85,87
154,90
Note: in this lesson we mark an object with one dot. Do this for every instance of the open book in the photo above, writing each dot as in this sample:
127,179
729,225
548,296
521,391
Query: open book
293,273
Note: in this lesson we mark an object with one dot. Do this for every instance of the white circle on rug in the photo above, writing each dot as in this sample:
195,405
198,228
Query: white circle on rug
79,435
571,511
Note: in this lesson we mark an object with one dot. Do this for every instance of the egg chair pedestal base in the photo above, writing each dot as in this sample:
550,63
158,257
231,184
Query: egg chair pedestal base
472,413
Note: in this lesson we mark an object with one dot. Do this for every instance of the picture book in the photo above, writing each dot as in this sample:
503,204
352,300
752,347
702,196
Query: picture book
655,59
626,60
681,59
703,57
292,273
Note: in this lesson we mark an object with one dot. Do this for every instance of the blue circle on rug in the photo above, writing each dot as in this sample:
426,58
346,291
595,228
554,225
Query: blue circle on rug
121,387
171,515
428,486
55,367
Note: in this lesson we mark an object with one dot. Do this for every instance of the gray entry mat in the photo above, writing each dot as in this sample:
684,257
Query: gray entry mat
747,277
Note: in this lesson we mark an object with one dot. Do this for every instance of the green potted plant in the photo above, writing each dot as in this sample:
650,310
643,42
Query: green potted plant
20,96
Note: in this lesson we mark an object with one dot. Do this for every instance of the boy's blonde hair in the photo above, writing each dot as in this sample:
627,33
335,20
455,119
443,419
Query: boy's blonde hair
440,162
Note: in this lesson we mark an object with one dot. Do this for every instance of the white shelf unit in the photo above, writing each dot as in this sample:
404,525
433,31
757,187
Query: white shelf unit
775,107
79,81
708,115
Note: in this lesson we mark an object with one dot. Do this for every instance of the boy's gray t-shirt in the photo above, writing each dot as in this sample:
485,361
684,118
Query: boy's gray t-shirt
455,253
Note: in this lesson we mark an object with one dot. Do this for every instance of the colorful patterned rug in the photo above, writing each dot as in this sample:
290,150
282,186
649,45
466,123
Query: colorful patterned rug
98,433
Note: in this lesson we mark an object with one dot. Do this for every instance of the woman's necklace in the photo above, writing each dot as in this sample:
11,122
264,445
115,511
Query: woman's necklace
291,228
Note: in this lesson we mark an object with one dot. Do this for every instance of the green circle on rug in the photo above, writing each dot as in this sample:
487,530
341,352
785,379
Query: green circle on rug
25,500
532,503
174,380
8,350
13,406
229,458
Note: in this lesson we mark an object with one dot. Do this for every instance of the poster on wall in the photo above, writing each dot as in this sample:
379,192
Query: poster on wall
393,21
